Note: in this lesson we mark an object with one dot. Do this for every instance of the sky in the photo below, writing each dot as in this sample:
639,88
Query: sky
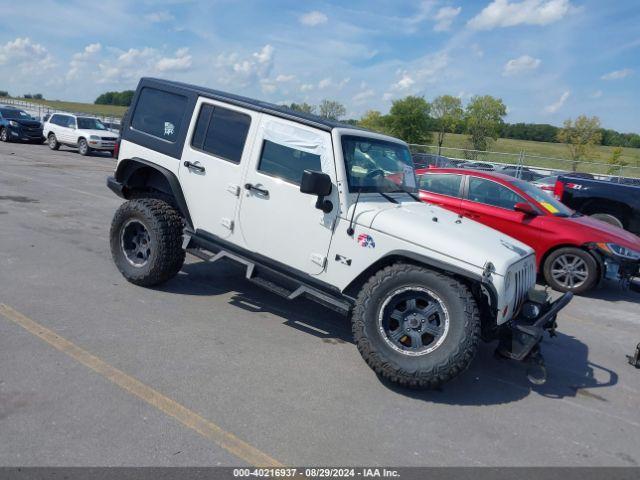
548,60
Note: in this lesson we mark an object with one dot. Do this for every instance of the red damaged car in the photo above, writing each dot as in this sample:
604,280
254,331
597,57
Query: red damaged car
574,252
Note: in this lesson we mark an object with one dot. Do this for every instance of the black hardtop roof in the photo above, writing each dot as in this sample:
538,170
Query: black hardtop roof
252,104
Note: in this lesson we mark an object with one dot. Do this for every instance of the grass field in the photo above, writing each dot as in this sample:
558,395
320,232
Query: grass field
555,151
102,110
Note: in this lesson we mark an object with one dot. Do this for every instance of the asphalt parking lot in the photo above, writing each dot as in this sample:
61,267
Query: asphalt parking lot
211,370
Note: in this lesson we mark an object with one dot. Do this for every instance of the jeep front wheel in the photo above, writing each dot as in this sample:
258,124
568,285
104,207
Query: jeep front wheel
146,241
416,327
4,135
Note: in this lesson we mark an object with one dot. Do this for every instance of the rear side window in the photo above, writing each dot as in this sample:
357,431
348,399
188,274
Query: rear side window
159,113
444,184
286,163
221,132
492,193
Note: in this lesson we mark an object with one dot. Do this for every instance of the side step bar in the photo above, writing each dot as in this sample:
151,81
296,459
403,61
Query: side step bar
252,274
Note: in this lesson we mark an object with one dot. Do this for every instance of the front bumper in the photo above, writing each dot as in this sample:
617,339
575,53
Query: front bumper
109,145
25,134
522,337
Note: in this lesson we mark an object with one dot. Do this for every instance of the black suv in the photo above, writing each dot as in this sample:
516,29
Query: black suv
16,124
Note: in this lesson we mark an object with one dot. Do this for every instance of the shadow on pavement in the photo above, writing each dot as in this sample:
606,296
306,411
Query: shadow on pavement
489,380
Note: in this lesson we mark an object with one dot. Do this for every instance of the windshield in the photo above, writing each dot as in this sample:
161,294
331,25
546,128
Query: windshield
377,165
90,124
548,202
14,114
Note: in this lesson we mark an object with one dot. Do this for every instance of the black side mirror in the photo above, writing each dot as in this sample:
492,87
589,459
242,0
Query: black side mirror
317,183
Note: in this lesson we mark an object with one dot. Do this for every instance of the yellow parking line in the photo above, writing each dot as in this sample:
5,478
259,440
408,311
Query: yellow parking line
204,427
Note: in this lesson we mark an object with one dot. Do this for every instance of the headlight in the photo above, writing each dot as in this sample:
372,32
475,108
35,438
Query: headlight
620,251
94,137
13,123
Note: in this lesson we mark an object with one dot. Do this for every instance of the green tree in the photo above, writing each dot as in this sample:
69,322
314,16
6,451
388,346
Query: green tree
580,136
302,107
483,117
123,98
332,110
4,93
616,161
374,120
447,111
408,119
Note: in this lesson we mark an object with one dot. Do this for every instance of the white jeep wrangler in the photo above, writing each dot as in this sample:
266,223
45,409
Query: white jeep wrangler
322,210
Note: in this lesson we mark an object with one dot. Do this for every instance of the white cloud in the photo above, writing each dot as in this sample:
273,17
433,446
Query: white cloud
159,17
28,56
617,74
404,83
554,107
445,17
306,87
364,95
179,63
231,69
80,59
596,94
285,78
313,19
478,52
521,64
503,13
424,11
329,83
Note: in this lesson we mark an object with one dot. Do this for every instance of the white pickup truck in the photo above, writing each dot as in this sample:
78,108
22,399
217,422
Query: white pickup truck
83,132
313,208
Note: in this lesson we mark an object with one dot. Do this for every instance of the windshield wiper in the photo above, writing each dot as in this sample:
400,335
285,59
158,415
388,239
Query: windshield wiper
391,199
411,194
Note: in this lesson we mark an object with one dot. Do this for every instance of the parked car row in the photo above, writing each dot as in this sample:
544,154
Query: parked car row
573,251
86,133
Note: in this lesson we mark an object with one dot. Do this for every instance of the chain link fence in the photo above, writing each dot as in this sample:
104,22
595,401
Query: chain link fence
520,165
39,111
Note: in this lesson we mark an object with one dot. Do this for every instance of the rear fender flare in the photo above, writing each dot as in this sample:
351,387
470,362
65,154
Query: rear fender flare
126,170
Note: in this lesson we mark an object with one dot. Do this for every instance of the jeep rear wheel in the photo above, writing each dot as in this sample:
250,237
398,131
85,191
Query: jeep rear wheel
53,142
416,327
146,241
4,135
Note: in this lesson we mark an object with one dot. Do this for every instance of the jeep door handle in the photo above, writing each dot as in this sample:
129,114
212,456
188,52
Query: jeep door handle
195,166
259,190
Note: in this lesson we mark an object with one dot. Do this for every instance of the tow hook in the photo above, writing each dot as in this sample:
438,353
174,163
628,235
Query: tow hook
635,359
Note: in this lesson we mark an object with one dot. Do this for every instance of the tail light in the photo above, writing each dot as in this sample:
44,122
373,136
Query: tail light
558,190
116,149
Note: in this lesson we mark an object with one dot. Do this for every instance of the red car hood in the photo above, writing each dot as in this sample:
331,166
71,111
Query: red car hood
605,232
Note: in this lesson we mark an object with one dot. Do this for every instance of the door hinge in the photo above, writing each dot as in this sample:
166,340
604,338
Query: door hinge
234,189
227,223
318,259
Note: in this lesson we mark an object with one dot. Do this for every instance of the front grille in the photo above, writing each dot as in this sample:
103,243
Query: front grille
525,279
108,139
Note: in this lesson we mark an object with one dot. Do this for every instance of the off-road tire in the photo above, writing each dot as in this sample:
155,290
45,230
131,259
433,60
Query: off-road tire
52,141
164,225
4,134
430,370
591,264
83,147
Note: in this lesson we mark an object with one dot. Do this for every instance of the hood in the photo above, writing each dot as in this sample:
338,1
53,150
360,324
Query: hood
605,232
437,229
100,133
27,123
